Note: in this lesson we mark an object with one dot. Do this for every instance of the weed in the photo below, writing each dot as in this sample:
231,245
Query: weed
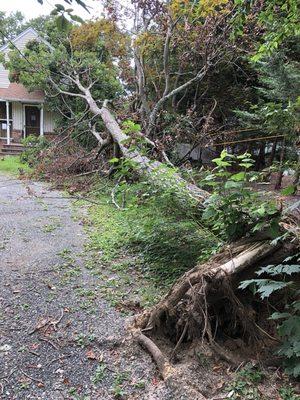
25,306
117,388
251,374
202,359
84,340
288,393
48,228
244,386
139,384
100,374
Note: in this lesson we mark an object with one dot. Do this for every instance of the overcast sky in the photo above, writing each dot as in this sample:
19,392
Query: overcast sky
32,9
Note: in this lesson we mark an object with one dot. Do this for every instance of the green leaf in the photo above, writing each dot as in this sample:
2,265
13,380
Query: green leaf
288,190
232,185
221,163
114,160
265,287
278,315
76,18
238,177
60,7
246,165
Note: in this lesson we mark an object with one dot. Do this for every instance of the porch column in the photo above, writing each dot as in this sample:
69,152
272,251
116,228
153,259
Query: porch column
42,120
7,123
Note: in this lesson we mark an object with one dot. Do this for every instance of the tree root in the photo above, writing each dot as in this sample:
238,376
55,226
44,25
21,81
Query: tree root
205,304
177,382
197,286
161,361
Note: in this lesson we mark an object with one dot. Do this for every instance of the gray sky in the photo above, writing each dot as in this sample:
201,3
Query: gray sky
32,9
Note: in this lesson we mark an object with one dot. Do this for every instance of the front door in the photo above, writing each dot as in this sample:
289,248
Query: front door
32,120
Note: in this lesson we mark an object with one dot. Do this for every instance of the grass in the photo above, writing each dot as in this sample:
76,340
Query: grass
145,245
169,241
12,165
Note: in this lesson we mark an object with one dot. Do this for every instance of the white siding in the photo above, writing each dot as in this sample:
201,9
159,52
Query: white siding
21,41
17,114
48,121
4,81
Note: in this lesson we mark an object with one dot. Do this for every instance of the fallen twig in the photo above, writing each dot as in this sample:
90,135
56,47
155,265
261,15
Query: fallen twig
55,323
56,359
30,377
49,342
38,327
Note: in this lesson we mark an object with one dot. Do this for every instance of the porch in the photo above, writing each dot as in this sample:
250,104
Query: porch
19,120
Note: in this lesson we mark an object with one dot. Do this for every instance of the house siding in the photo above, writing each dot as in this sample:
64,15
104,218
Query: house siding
22,41
4,81
48,121
17,114
18,118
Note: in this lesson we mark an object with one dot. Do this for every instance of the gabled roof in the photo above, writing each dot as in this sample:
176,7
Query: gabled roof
17,38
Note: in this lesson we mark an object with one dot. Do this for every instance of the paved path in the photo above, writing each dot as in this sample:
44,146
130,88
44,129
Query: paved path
58,338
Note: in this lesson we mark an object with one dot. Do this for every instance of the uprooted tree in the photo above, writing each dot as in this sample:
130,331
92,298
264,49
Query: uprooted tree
81,78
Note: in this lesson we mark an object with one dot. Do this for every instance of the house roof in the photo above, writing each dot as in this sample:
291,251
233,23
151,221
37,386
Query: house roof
17,38
18,92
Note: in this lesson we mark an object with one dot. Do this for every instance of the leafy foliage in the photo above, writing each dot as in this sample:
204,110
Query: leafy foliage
233,208
289,325
34,145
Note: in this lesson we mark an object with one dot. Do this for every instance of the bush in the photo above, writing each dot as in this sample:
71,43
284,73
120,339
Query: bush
233,207
33,147
279,279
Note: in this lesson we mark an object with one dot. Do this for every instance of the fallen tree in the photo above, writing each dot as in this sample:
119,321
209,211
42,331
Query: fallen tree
194,306
205,302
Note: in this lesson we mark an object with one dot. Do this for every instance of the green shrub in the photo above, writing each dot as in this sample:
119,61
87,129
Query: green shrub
33,146
233,207
282,278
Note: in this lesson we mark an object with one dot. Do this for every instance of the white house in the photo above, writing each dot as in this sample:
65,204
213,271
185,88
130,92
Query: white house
22,113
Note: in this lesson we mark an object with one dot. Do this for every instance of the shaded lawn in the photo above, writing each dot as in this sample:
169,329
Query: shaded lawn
12,165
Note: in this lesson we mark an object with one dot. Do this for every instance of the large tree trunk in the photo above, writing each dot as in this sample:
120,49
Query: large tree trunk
156,172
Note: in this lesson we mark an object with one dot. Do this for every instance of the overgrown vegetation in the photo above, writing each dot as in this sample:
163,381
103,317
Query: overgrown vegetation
233,207
33,147
168,242
282,278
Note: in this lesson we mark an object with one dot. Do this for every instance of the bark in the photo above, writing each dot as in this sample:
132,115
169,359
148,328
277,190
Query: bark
158,106
297,175
156,172
273,152
214,271
145,109
280,173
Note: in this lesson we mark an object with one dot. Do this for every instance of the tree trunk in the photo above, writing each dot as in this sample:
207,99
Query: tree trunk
204,279
273,152
161,176
280,173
